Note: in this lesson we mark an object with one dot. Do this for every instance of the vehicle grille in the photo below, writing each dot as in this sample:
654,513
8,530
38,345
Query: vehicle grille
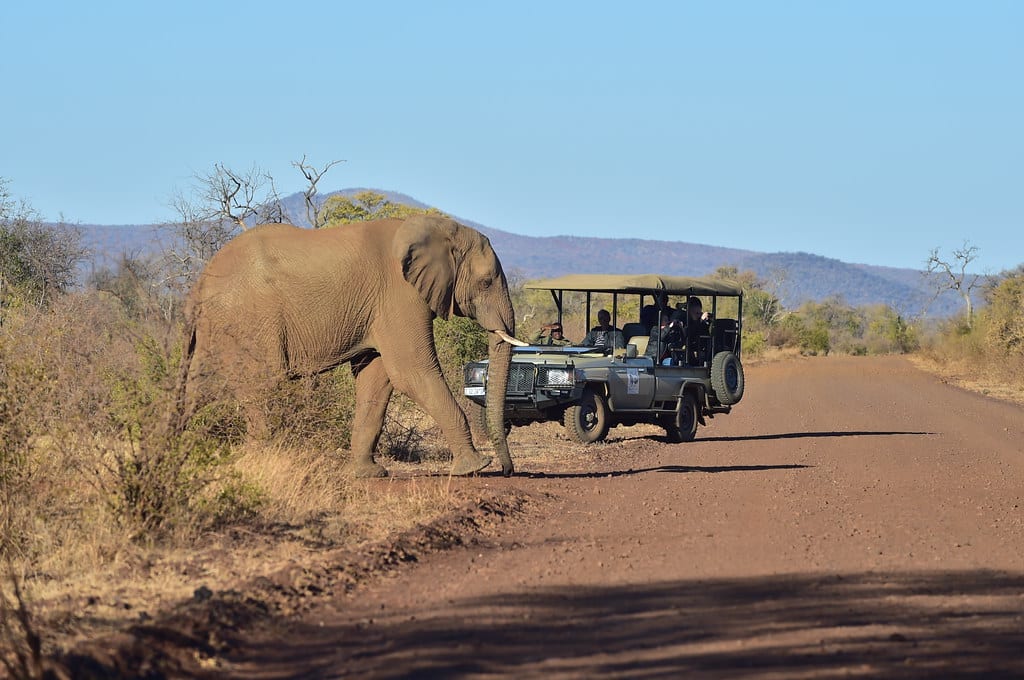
521,378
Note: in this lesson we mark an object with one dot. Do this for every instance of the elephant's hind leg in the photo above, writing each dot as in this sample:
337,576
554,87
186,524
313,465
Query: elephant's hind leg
373,391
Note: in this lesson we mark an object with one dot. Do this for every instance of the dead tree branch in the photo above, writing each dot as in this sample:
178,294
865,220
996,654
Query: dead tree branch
952,275
312,176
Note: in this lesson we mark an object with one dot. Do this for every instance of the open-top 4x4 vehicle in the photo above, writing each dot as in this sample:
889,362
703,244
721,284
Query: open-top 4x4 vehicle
592,389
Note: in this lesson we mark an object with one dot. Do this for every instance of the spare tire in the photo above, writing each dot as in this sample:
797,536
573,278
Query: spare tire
727,378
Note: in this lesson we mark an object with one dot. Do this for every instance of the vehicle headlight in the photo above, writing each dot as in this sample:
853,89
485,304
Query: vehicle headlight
558,377
476,375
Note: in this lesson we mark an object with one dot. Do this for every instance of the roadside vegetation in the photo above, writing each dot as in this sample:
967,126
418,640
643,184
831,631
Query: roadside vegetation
99,503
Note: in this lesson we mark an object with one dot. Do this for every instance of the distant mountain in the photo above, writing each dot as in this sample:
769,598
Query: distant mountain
808,276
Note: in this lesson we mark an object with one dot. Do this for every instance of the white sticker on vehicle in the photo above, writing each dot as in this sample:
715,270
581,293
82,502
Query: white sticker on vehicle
632,381
474,391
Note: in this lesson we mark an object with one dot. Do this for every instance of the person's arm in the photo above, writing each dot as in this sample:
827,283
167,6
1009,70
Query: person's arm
667,330
537,337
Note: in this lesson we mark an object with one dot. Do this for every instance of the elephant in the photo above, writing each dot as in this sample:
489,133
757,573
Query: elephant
279,301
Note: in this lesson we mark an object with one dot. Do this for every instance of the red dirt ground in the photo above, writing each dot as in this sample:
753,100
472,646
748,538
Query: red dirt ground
852,516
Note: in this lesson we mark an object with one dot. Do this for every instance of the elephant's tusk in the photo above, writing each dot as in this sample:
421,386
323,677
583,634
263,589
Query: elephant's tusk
510,340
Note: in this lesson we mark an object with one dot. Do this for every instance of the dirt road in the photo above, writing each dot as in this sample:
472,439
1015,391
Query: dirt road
853,516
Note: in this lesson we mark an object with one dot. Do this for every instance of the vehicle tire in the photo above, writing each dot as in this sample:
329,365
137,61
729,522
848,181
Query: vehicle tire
681,426
668,422
587,421
481,421
686,418
727,378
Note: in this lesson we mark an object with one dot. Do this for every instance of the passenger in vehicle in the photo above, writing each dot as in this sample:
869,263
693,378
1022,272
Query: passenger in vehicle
554,336
680,337
667,339
604,335
655,315
699,326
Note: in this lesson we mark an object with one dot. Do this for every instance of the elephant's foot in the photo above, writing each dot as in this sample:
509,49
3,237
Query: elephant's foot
364,469
468,463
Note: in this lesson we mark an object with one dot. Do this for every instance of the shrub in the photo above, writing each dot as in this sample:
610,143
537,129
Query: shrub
754,344
1003,317
815,340
315,410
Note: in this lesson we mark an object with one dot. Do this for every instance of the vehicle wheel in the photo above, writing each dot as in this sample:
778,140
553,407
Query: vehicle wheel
668,422
681,426
481,421
686,419
587,421
727,378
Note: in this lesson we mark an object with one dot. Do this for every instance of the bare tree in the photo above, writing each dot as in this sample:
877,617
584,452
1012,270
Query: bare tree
242,198
37,260
222,204
313,176
952,275
138,282
194,241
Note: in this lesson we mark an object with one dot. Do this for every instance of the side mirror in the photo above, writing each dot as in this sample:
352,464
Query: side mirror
631,351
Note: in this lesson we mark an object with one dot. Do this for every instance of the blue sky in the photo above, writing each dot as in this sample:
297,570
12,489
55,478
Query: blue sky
865,131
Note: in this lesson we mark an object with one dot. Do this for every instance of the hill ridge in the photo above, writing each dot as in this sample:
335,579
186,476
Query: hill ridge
809,276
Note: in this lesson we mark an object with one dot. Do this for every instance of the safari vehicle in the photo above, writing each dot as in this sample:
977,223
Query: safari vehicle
592,389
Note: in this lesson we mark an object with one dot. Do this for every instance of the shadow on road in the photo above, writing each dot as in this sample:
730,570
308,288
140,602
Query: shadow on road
768,437
891,625
683,469
811,435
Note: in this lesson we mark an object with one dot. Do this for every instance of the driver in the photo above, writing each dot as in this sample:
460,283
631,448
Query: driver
554,338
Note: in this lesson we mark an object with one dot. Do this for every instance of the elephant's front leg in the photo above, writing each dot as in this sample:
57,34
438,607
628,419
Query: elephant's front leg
373,391
427,387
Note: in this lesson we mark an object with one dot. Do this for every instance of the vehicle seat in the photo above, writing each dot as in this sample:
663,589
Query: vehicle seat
641,343
630,330
649,316
724,336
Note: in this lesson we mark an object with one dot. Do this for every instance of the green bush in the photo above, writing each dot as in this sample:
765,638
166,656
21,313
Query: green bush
754,343
815,340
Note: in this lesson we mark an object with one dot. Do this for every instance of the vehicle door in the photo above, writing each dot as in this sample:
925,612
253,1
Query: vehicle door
631,384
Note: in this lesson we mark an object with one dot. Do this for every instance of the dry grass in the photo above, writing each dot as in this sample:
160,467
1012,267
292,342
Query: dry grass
104,522
99,579
1001,380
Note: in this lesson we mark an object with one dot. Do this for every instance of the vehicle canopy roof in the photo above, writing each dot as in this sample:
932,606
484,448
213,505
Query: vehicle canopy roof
639,283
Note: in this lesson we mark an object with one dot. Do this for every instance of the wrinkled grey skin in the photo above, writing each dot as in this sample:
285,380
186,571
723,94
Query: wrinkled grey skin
278,301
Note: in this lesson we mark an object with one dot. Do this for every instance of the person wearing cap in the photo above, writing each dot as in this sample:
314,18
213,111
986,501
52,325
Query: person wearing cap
554,336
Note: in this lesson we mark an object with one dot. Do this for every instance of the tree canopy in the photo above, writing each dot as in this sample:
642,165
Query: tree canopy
366,205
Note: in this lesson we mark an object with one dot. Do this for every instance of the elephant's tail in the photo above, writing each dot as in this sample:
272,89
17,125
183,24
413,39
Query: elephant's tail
180,411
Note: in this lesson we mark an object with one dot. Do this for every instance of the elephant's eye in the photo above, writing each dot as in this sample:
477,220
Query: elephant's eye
485,283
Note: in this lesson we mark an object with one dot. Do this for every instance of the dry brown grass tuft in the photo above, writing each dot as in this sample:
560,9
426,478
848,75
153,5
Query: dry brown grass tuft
970,359
108,519
1001,380
21,646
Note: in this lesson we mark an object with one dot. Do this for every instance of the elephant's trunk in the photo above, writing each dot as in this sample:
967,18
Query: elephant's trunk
500,354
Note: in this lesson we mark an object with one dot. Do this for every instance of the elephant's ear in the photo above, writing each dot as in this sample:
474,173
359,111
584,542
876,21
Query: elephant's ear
424,247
